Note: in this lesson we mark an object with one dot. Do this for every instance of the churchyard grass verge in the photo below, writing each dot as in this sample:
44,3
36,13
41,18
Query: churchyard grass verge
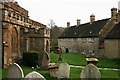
70,58
110,74
74,59
79,59
74,73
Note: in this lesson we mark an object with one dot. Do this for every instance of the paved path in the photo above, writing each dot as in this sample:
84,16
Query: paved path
99,68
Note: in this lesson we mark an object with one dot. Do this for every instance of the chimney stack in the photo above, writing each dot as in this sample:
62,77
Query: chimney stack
68,24
114,13
118,16
78,22
92,18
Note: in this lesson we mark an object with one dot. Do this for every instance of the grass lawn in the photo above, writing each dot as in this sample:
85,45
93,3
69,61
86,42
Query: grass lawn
75,59
108,63
74,73
110,74
79,59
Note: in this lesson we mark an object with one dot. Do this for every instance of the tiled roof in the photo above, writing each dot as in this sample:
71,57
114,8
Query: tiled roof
84,30
114,33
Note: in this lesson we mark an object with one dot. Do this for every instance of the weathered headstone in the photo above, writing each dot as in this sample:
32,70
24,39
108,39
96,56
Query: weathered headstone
53,69
15,71
34,75
90,72
45,60
63,70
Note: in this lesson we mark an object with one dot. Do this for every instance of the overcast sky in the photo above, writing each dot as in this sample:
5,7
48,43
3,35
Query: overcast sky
63,11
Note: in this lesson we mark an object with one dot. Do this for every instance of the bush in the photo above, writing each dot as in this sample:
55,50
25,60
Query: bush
30,58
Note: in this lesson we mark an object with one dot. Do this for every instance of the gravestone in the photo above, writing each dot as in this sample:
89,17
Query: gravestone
63,70
53,69
34,76
45,60
90,72
15,71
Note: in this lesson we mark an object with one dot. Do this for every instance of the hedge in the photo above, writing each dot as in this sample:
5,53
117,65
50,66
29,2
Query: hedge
30,58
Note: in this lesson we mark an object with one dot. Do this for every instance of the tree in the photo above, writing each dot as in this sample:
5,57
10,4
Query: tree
51,23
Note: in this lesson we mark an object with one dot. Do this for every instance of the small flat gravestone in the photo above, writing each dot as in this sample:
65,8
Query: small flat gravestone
15,71
34,76
63,70
90,72
53,69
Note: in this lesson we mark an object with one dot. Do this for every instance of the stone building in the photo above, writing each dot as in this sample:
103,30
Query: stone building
89,37
20,33
35,38
112,43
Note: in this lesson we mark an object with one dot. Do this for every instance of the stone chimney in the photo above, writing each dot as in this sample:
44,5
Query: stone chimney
78,22
118,16
68,24
92,18
114,13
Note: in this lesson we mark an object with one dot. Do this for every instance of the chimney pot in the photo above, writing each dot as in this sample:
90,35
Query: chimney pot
78,22
92,18
114,13
68,24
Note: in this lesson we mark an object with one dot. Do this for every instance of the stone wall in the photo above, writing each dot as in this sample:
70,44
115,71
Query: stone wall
80,44
11,40
112,48
34,40
13,17
20,33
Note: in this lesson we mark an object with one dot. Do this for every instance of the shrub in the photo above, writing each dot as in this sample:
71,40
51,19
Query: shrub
30,58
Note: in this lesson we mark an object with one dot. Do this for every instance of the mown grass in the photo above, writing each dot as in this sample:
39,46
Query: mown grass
74,59
110,74
79,59
74,73
70,58
108,63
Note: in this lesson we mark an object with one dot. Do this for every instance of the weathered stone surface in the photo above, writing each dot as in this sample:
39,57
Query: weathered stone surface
15,71
90,71
53,69
46,60
34,75
20,33
63,70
